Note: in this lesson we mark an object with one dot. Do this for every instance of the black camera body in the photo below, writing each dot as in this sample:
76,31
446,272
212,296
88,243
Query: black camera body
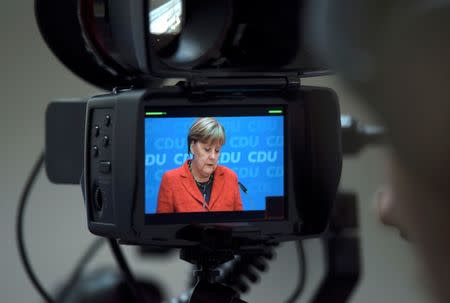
238,67
114,177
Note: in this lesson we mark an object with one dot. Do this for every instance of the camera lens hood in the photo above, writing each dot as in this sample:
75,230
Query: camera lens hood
59,25
112,44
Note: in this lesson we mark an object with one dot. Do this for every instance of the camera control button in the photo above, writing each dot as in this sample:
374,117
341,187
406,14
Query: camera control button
106,141
107,119
95,151
96,130
105,167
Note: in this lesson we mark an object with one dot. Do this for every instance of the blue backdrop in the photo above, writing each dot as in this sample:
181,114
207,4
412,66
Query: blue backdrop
253,150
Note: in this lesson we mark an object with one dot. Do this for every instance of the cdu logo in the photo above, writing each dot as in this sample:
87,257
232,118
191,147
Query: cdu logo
229,157
262,156
155,159
274,171
170,143
246,171
241,142
274,141
180,158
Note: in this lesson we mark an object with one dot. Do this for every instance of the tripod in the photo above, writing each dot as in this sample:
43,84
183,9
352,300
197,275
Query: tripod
207,289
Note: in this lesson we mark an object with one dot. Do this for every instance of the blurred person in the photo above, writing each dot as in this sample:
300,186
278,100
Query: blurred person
411,93
200,184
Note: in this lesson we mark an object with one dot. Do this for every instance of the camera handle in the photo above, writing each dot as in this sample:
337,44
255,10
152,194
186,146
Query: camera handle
207,289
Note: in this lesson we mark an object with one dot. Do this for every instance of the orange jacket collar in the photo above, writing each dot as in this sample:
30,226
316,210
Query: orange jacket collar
192,188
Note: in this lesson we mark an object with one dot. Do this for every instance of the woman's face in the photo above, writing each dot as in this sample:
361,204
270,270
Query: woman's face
206,156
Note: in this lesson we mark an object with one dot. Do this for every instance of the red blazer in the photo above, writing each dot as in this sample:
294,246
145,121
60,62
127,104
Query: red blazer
178,192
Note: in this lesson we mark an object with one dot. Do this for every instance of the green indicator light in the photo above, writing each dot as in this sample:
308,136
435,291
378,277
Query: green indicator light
155,113
275,111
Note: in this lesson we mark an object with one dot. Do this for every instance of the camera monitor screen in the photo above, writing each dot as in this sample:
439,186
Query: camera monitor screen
214,162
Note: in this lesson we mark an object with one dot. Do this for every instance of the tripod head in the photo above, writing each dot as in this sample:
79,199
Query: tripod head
207,289
218,247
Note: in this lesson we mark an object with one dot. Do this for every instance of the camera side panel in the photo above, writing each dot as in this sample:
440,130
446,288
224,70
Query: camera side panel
99,168
317,183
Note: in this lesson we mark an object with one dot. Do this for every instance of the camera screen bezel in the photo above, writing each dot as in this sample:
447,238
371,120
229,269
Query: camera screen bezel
314,163
229,105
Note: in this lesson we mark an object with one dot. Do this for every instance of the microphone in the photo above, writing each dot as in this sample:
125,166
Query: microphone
244,189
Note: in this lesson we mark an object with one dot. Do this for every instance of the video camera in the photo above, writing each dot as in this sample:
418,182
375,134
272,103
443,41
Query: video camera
240,62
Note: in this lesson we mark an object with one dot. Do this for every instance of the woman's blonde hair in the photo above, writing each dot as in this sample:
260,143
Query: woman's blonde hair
206,130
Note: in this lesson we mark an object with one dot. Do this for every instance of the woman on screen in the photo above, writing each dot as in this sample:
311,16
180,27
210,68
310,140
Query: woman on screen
200,184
